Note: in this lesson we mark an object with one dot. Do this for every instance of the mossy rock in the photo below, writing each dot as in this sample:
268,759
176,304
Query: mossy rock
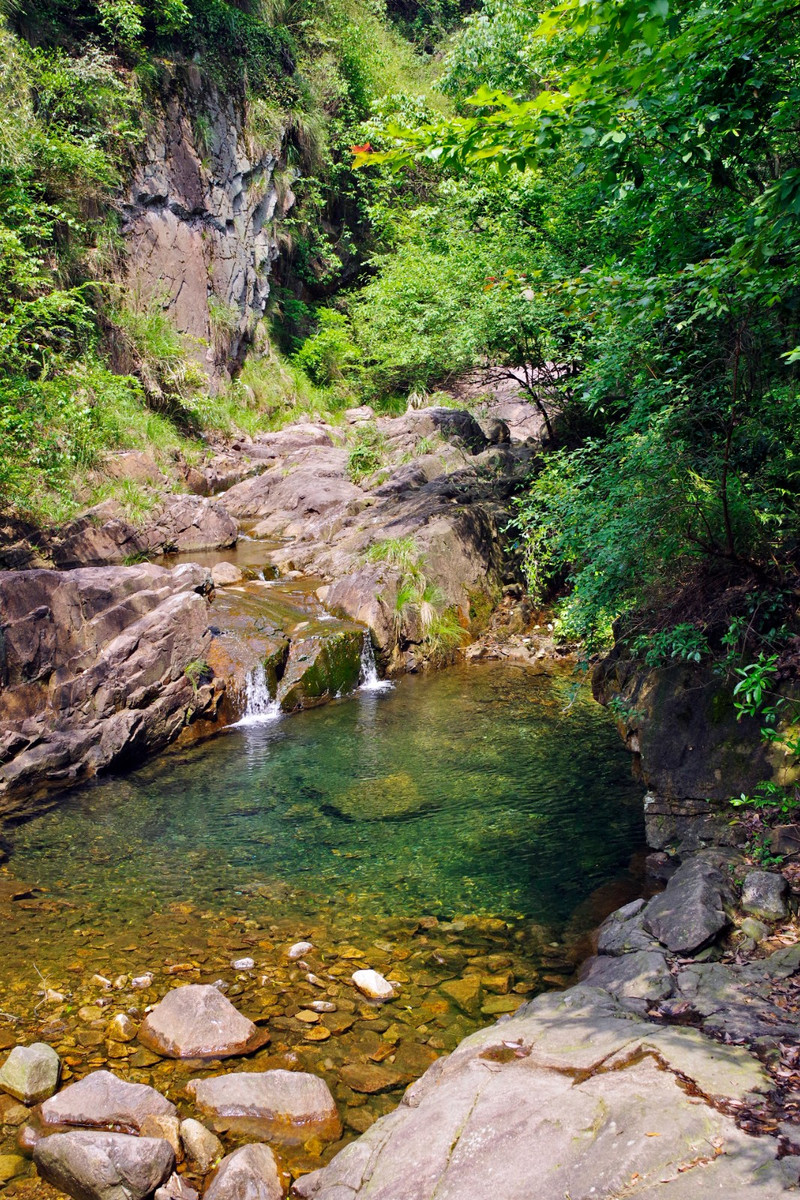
320,668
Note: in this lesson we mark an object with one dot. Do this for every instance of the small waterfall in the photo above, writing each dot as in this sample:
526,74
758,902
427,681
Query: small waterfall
260,708
369,670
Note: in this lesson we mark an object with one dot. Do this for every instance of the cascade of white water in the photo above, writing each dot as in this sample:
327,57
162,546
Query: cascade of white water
370,682
259,705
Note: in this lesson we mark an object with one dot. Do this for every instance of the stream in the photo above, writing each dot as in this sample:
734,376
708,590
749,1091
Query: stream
461,832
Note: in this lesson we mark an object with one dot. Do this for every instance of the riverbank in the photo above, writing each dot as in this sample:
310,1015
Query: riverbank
669,1071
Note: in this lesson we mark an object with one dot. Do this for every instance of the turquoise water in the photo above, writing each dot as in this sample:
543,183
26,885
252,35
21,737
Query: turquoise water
464,791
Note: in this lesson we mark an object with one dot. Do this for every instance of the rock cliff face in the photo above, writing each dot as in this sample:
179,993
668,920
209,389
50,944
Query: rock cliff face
690,750
93,670
199,218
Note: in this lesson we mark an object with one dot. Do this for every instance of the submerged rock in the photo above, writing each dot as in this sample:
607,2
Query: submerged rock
250,1173
102,1100
197,1021
764,895
395,795
104,1166
30,1073
298,950
466,993
290,1106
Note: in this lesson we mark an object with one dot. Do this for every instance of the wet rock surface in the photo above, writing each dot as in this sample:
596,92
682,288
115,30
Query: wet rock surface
197,1021
286,1105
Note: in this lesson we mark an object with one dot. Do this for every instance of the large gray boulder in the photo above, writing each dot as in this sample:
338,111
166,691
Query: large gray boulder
30,1073
764,895
101,1100
250,1173
289,1106
197,1021
104,1166
691,910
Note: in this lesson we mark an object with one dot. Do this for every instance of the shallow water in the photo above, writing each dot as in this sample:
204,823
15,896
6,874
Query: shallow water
468,798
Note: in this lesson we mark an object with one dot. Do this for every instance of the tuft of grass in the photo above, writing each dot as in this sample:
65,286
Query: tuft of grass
368,447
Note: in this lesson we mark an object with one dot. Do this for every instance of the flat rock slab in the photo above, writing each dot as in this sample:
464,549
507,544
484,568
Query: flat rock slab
369,1078
30,1073
250,1173
567,1098
288,1106
197,1021
102,1100
104,1166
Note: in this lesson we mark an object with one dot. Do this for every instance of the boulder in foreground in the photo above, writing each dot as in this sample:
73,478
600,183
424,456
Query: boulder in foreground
197,1021
250,1173
88,1165
288,1106
101,1100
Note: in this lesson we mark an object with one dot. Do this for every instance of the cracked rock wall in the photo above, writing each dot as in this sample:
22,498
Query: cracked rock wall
200,219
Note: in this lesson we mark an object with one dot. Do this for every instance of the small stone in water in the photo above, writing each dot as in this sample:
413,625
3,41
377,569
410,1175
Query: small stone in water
220,985
53,997
373,986
142,981
164,1126
298,950
243,964
30,1073
322,1006
90,1012
317,1033
202,1146
315,980
309,1018
11,1165
101,981
121,1029
120,982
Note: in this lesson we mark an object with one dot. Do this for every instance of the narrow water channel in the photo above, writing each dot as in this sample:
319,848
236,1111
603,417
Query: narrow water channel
467,825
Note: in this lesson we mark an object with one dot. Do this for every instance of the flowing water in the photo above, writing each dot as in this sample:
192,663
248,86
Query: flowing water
467,824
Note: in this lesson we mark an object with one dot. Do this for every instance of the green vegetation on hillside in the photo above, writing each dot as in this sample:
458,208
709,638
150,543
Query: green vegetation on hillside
76,81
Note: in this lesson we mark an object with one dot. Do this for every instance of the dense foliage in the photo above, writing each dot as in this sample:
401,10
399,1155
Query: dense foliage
633,208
